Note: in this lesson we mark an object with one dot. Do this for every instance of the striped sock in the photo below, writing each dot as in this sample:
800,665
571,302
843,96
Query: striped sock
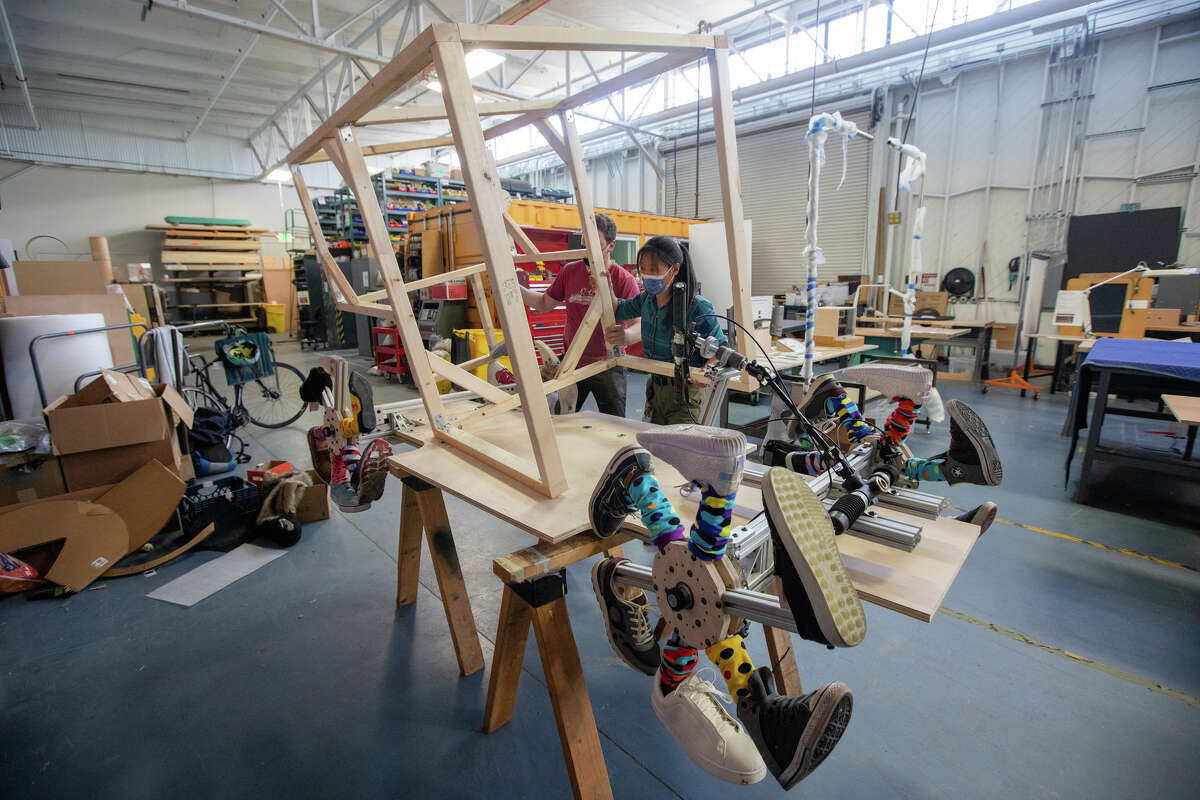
676,665
731,658
847,412
900,421
658,515
924,469
809,463
710,532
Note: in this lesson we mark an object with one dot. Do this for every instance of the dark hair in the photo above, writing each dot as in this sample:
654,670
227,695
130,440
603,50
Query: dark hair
607,228
669,252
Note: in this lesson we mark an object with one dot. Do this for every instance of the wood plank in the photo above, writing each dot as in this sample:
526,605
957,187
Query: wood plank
557,255
390,147
399,114
408,564
209,228
455,599
512,633
484,309
208,257
546,557
446,277
493,410
1185,408
467,380
731,194
579,342
483,185
503,461
210,244
212,267
518,235
569,698
783,657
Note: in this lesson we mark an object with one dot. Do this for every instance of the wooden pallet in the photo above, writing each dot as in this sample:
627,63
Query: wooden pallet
209,257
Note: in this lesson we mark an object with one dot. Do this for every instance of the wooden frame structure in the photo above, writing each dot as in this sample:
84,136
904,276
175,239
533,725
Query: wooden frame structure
443,47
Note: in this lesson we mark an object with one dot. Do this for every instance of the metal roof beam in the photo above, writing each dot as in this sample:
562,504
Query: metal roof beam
16,60
237,64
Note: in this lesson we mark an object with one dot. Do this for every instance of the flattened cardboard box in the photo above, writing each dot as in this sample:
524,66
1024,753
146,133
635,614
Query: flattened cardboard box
38,478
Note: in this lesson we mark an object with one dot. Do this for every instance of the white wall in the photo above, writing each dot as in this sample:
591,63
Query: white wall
73,204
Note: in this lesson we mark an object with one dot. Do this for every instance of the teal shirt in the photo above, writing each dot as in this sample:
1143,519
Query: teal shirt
656,324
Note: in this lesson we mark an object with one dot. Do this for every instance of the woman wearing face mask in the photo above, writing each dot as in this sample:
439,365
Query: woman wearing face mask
663,263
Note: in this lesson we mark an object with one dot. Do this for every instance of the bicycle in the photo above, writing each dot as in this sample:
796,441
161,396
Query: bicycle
269,402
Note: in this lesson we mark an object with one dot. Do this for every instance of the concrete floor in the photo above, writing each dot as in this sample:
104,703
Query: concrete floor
1057,669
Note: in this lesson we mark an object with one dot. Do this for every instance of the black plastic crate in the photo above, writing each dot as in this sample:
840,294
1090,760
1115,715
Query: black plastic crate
226,502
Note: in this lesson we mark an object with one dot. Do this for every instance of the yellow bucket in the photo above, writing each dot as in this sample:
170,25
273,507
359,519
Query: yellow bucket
276,317
477,346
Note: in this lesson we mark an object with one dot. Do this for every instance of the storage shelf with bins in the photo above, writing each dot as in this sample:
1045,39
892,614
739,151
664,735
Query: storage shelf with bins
214,271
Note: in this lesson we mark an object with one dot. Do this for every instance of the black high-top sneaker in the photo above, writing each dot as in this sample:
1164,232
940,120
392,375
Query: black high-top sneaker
626,618
972,457
794,734
812,405
610,505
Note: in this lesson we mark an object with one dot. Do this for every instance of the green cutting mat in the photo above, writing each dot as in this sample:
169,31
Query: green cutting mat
206,221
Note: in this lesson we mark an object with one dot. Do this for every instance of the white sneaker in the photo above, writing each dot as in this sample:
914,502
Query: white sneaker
712,739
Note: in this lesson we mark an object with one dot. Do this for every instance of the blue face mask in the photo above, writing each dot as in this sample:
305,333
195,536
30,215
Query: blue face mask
654,285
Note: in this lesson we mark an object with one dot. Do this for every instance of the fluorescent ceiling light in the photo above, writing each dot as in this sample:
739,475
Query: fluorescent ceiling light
279,176
478,62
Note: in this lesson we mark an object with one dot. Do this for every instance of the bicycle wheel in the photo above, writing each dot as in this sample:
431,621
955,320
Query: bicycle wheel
198,398
274,402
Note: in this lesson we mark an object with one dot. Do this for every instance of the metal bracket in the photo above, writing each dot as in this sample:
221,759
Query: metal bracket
542,590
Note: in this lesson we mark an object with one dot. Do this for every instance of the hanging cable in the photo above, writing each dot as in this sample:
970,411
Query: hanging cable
916,94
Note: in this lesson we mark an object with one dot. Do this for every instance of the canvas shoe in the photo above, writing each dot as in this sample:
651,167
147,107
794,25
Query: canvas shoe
893,381
610,504
362,401
819,592
713,457
712,739
813,404
982,515
626,618
319,450
972,457
794,734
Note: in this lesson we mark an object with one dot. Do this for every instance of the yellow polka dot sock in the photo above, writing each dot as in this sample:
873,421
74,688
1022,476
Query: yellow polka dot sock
734,662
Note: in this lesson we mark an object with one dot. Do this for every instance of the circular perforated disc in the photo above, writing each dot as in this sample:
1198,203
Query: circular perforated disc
705,622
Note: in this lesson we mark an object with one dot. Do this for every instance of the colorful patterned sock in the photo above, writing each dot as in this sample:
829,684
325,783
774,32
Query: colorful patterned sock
900,421
677,664
810,463
847,412
731,658
710,532
924,469
658,515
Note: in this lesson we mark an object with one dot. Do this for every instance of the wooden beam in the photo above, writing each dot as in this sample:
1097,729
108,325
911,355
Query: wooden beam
461,377
370,309
342,291
400,114
345,146
408,64
493,410
394,147
731,195
518,235
658,367
483,185
446,277
520,469
485,311
557,255
579,343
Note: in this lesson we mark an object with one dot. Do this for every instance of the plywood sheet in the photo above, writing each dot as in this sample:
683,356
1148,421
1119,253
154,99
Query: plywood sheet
910,583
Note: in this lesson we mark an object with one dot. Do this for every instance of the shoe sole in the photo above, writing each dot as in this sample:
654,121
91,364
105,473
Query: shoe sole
970,424
322,467
830,716
603,601
373,472
984,520
608,472
802,525
883,375
360,386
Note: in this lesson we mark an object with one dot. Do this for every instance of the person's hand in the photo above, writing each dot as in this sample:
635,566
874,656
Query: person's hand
615,336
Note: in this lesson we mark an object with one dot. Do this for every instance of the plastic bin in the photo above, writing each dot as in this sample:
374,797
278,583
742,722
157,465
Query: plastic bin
276,317
477,346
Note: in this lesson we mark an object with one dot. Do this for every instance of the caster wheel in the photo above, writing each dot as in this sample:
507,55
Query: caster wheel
1037,397
983,390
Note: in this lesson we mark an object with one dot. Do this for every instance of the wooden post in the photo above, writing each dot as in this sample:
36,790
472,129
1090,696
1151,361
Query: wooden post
731,193
483,185
783,657
511,634
99,247
408,562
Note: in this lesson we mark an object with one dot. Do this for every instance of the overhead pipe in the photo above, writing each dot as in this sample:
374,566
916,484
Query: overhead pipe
16,59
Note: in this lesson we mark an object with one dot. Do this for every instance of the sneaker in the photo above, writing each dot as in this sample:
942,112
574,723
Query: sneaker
713,457
813,403
794,734
362,401
982,515
819,592
341,490
703,728
319,450
972,457
626,618
893,381
373,471
610,504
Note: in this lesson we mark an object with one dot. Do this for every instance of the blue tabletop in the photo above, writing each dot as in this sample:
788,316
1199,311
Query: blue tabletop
1174,359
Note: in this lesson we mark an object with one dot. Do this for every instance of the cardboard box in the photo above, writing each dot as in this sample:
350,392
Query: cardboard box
938,301
1162,316
255,474
60,277
314,506
30,478
107,440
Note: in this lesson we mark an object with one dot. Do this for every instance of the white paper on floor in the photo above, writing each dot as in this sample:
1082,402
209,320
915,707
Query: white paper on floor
210,578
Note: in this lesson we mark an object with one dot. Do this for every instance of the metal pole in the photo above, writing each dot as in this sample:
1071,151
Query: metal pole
237,64
12,51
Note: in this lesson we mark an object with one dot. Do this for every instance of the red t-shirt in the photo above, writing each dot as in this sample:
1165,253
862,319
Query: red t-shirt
573,286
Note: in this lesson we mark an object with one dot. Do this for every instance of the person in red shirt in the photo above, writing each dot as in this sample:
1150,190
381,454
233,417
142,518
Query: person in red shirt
573,287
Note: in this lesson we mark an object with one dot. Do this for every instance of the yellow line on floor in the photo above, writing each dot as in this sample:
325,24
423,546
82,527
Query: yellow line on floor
1191,700
1099,545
